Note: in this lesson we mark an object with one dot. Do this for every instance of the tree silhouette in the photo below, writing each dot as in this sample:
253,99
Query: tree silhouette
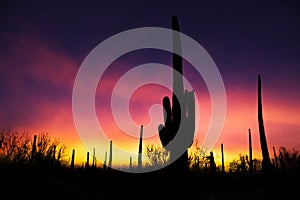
198,159
46,151
290,160
18,149
157,157
15,147
239,165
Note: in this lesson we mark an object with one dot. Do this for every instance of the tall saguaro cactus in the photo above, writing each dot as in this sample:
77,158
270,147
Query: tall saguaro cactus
180,117
266,162
140,148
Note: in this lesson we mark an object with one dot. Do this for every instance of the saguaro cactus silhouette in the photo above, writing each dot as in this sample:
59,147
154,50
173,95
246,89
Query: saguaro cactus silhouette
250,153
266,162
104,163
140,148
130,162
180,118
33,151
94,158
222,152
73,158
110,155
87,164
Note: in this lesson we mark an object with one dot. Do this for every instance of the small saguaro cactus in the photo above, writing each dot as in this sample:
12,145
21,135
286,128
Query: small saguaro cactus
33,151
223,165
73,159
130,163
140,149
105,158
87,165
94,158
110,155
250,153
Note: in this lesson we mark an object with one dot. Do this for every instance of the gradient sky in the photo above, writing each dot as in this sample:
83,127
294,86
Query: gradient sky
43,43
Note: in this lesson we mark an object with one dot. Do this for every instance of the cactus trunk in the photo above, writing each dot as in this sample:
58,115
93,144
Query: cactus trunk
250,153
178,90
104,163
180,117
266,162
87,160
73,158
140,149
222,151
130,163
110,155
94,158
33,151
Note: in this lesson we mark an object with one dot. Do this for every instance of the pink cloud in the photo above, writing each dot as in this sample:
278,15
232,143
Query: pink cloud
37,81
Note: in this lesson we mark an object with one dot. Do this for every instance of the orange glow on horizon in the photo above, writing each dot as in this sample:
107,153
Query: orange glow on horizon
53,114
234,135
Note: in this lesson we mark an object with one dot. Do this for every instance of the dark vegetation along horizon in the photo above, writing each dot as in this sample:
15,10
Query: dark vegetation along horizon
40,167
42,164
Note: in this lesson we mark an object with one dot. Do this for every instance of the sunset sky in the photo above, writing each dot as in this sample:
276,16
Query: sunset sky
43,44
